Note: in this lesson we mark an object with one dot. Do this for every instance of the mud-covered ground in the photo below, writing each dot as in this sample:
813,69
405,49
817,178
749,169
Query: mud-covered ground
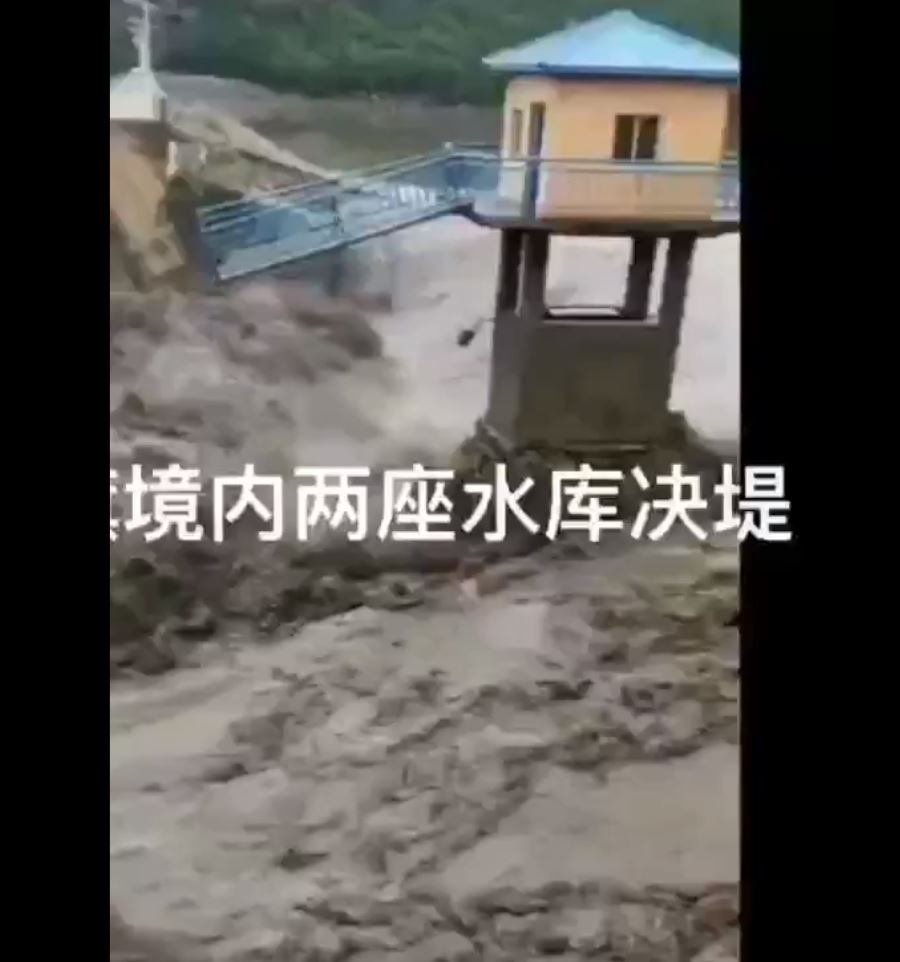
539,761
385,756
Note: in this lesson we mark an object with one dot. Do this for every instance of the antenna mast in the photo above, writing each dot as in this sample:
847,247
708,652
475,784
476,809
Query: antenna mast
141,30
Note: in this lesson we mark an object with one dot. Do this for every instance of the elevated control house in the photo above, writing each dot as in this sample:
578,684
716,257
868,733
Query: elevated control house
616,127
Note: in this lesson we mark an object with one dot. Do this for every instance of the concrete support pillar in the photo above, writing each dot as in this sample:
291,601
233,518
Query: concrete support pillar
598,384
534,274
640,278
509,271
675,282
519,308
674,296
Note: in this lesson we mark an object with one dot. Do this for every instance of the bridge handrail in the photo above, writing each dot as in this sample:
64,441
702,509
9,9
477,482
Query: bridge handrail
305,197
346,178
230,214
295,222
474,153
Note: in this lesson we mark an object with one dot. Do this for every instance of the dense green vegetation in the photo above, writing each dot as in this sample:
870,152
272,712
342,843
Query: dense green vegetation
430,48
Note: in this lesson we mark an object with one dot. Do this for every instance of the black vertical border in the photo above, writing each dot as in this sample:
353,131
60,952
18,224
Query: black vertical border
789,233
55,409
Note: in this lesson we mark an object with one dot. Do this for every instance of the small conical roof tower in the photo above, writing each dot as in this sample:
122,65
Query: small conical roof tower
137,96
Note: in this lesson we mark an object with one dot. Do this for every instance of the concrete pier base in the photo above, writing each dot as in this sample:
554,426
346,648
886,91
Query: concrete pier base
584,383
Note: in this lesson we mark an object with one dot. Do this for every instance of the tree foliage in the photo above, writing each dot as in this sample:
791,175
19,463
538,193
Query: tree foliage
424,48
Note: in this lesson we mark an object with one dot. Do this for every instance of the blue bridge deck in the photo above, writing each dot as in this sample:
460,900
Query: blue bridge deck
279,227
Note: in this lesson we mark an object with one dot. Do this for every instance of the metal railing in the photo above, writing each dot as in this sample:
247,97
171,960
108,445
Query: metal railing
592,189
293,223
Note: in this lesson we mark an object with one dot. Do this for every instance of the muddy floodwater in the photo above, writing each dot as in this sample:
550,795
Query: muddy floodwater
446,280
539,759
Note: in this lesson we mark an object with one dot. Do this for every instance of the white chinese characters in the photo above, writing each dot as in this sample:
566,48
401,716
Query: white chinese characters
417,504
685,497
248,498
589,499
504,500
329,495
173,495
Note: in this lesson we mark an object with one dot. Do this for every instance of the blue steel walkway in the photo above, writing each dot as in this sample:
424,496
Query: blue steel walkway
283,226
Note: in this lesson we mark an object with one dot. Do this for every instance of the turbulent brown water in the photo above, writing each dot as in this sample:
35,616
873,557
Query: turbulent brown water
537,759
543,764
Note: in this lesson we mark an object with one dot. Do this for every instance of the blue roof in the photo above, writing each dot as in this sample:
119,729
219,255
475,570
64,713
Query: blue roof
618,44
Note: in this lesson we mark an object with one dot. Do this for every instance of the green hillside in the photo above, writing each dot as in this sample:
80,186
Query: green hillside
423,48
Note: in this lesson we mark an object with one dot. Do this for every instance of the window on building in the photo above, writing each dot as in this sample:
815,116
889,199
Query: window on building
636,137
515,133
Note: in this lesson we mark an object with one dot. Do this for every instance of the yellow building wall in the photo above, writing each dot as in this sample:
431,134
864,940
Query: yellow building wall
520,95
580,126
692,118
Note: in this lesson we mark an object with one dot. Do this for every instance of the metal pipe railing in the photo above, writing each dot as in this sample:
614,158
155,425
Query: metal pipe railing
469,170
308,217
